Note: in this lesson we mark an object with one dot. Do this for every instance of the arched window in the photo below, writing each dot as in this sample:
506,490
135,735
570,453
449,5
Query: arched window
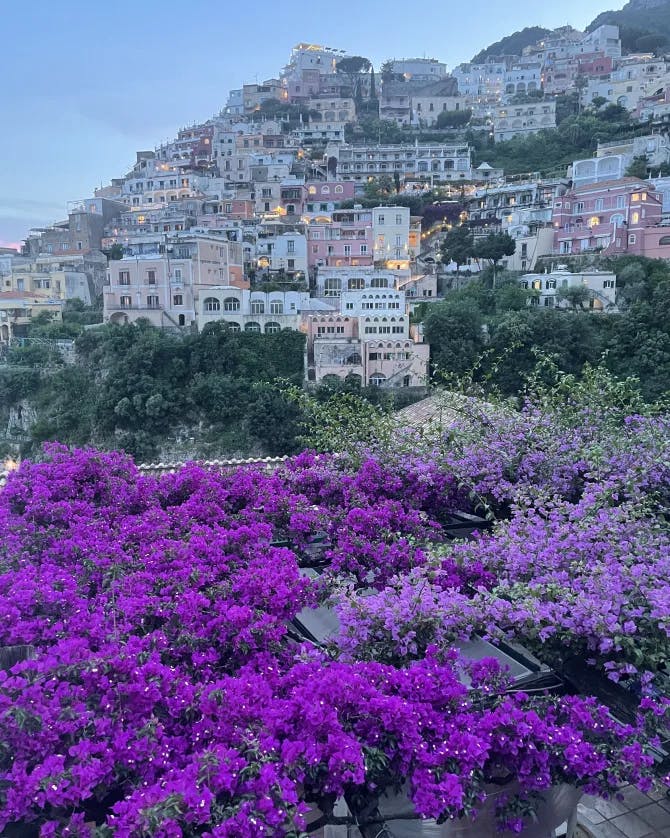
377,379
356,283
664,240
211,304
272,328
339,190
252,327
257,307
332,287
379,282
325,190
617,220
276,307
354,359
231,304
234,327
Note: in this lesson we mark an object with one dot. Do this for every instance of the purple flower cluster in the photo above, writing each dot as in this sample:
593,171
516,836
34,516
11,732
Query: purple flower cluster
166,693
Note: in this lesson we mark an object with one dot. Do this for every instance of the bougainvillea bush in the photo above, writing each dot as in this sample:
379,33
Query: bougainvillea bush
166,690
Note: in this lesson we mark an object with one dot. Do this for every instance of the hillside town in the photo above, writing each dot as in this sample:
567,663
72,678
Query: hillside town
335,437
261,216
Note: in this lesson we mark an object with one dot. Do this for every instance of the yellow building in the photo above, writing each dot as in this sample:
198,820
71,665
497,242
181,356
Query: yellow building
18,310
61,284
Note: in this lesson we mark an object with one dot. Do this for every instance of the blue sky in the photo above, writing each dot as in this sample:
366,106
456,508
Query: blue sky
86,83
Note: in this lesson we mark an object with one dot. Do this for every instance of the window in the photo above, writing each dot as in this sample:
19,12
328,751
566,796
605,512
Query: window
664,240
339,190
177,300
398,219
151,277
234,327
380,219
347,250
632,238
364,249
252,327
290,246
126,302
356,283
257,307
211,304
377,379
124,277
177,274
332,287
608,283
635,218
276,307
379,282
152,301
620,201
230,304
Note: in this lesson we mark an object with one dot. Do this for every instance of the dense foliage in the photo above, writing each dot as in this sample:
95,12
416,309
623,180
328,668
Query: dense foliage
138,388
167,691
635,342
513,44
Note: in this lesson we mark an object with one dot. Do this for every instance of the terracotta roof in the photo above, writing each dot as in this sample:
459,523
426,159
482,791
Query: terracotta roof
445,408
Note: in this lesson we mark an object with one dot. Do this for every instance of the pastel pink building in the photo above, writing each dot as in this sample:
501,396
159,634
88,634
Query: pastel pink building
611,217
346,241
375,349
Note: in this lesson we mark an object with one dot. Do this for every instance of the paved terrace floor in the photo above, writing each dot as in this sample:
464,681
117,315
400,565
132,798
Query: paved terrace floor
638,815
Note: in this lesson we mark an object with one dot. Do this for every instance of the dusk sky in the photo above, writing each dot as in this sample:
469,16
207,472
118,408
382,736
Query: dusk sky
86,84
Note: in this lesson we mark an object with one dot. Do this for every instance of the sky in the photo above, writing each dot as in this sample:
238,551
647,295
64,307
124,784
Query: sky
87,83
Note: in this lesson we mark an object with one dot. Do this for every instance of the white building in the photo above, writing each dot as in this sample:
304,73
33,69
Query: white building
481,82
253,311
438,163
368,340
333,282
282,252
604,39
390,229
420,69
614,157
601,287
318,133
512,121
523,77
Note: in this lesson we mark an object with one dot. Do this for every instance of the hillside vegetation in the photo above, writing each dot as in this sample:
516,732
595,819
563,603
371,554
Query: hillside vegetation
512,44
643,26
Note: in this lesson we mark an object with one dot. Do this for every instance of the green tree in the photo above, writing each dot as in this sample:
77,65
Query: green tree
638,167
493,247
575,295
453,119
458,245
353,67
453,329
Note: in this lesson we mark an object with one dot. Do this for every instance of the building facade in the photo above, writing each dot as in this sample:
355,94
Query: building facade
160,281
